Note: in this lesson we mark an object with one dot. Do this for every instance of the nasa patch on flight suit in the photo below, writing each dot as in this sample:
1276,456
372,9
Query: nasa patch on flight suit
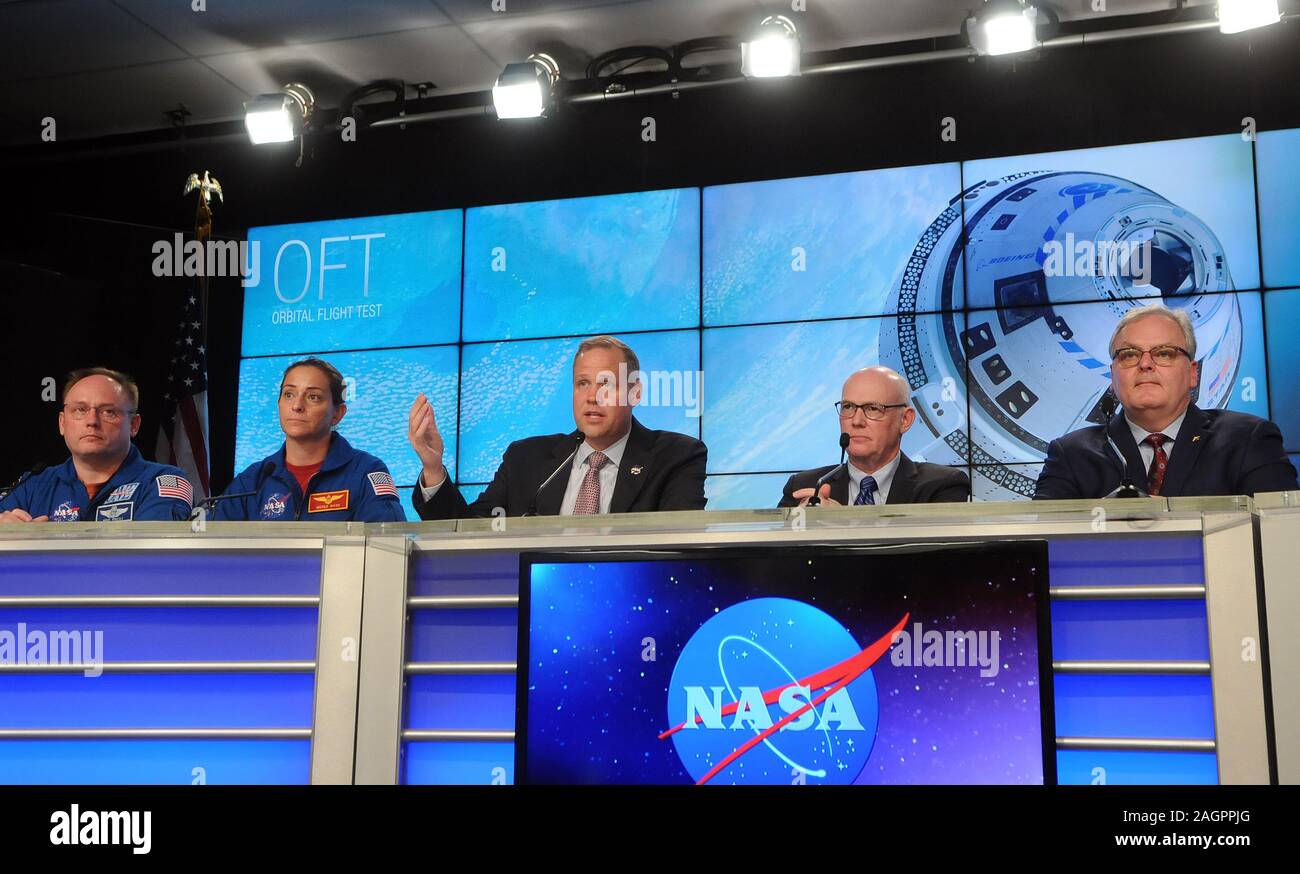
328,502
122,511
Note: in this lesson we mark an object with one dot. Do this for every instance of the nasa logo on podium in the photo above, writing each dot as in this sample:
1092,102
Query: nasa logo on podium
772,689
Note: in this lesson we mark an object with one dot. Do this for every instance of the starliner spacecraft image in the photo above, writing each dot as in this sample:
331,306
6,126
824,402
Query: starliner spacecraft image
1005,309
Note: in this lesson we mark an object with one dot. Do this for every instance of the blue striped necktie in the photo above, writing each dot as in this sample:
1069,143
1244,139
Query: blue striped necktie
866,495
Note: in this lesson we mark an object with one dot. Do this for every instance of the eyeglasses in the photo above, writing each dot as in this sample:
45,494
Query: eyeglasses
107,413
1164,356
874,412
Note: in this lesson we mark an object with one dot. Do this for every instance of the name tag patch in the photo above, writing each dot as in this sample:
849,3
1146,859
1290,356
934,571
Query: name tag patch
328,502
119,512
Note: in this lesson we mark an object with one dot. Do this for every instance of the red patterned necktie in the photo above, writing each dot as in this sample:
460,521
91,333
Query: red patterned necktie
1156,476
588,501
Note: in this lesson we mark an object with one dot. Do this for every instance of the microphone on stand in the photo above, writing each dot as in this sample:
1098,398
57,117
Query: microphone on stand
568,462
30,472
815,500
208,503
1127,489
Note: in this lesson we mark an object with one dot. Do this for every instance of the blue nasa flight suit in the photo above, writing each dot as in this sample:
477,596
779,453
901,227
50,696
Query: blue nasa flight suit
351,486
133,494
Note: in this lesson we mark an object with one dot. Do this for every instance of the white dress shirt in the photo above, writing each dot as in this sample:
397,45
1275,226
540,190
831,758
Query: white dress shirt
608,475
1147,450
884,478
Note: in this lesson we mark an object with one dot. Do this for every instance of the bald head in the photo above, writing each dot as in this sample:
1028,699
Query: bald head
879,384
873,443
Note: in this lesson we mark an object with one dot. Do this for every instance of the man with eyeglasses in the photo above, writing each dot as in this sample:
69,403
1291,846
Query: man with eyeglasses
875,413
106,479
1168,445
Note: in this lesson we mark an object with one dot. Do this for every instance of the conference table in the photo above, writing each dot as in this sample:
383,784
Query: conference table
343,653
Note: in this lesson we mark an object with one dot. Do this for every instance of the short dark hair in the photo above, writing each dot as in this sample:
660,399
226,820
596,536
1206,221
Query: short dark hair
128,384
332,376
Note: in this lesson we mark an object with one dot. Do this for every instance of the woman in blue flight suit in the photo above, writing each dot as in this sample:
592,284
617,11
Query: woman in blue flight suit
316,475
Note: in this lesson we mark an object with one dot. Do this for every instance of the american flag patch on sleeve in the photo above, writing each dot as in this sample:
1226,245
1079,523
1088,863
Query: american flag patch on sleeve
172,486
382,483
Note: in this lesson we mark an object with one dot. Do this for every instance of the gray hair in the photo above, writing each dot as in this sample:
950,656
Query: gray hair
1179,317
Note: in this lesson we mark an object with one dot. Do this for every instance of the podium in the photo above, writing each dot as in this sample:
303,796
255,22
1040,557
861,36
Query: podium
351,653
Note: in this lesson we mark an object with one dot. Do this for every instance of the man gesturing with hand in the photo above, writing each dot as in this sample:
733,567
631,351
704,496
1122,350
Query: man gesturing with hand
610,464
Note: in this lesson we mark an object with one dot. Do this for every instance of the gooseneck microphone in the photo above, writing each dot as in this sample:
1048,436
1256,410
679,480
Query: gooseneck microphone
30,472
208,503
567,463
815,500
1126,488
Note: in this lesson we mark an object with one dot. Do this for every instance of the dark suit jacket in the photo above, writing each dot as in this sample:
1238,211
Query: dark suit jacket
669,475
1218,452
914,483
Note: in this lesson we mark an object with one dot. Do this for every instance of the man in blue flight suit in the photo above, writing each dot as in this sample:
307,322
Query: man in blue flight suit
315,475
105,479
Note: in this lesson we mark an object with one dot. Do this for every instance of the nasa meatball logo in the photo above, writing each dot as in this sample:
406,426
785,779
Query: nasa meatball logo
65,512
773,690
275,506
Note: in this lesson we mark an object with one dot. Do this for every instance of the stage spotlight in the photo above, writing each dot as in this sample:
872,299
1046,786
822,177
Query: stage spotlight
1004,27
773,52
526,90
1238,15
279,117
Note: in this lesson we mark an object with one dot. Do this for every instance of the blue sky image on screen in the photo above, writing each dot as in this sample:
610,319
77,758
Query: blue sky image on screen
816,246
771,390
534,269
1283,309
386,383
522,388
600,710
1199,184
399,274
746,491
1277,156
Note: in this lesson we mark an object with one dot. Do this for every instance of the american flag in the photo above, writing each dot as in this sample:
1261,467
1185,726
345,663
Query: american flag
172,486
382,483
183,439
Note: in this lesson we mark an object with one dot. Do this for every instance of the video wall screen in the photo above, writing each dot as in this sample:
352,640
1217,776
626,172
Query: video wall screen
782,667
993,286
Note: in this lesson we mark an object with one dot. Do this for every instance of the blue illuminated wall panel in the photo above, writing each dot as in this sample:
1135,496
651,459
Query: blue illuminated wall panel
119,762
1282,314
817,246
383,386
588,265
817,275
362,283
518,389
148,699
1277,163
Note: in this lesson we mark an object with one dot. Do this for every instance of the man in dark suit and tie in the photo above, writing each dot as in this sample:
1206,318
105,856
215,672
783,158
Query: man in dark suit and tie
1170,447
610,464
875,413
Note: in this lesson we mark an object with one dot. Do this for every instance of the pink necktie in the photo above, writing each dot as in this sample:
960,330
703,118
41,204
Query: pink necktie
588,502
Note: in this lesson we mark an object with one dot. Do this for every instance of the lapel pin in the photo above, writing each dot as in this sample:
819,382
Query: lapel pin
1196,438
636,471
